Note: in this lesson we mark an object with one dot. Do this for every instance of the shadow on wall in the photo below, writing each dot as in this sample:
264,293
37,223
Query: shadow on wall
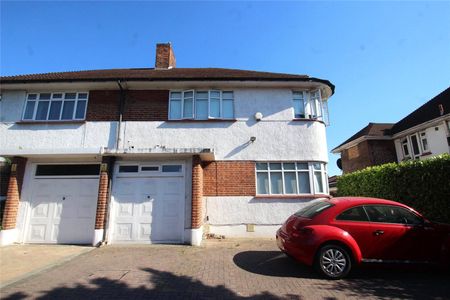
403,282
158,285
239,149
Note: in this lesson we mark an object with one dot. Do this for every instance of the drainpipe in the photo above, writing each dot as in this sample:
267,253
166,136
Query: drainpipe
121,107
112,160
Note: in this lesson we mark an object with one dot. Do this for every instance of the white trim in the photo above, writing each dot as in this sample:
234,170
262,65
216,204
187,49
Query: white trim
196,236
98,237
147,174
8,236
52,152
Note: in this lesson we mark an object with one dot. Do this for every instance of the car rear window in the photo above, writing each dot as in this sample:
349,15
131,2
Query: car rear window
313,209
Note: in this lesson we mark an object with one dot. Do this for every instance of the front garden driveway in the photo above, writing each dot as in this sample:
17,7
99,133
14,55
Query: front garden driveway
219,270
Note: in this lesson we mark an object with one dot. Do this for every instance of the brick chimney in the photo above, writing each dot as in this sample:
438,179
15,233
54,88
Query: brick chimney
165,59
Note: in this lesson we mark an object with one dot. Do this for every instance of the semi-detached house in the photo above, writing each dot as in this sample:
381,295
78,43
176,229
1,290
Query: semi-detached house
160,154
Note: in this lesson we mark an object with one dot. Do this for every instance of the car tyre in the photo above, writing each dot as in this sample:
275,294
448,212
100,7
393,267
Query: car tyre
333,261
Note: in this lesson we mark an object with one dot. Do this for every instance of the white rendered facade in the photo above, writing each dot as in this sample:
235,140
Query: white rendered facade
279,138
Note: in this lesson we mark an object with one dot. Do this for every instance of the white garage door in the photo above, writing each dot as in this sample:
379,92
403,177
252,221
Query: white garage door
149,205
62,209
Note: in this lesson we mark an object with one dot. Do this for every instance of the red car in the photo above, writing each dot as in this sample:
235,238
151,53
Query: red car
333,235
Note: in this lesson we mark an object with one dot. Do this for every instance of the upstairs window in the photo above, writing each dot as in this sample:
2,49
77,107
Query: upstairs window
55,106
309,105
201,105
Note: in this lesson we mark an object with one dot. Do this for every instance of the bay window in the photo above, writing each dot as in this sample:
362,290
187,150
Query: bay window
291,178
201,105
309,105
55,106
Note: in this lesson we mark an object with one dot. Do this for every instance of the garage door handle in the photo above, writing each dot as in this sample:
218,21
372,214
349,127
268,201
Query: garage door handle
378,232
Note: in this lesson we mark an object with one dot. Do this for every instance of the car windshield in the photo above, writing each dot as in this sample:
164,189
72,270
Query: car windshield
313,209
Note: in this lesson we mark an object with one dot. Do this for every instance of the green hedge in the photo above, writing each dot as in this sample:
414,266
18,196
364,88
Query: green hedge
421,184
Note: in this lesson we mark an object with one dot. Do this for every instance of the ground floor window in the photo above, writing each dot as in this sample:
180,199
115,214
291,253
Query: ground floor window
67,170
291,178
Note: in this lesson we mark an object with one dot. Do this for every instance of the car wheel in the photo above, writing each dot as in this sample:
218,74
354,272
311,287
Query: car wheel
333,261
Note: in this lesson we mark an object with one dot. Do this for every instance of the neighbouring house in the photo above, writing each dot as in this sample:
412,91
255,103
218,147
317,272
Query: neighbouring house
421,134
160,154
370,146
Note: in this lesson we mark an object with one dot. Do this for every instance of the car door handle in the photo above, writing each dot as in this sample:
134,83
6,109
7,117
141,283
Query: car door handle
378,232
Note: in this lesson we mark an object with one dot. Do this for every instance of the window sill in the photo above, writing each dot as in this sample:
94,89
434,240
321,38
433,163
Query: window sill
52,122
426,153
315,196
200,121
307,120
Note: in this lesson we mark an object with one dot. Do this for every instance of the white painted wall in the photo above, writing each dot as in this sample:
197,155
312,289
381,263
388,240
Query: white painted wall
229,215
277,136
237,210
274,140
66,137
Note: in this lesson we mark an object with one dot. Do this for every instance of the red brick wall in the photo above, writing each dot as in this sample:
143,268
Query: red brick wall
382,152
103,106
13,194
229,178
197,192
370,153
145,105
165,57
102,200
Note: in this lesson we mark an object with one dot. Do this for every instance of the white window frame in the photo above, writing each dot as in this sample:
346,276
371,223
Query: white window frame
312,104
142,173
194,117
52,99
414,155
422,137
405,142
304,103
311,172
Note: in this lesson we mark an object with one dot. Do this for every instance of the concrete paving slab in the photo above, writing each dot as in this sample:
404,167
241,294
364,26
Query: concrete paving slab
18,262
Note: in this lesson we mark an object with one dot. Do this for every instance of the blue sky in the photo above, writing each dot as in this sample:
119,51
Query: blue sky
385,58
